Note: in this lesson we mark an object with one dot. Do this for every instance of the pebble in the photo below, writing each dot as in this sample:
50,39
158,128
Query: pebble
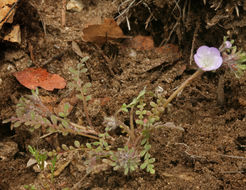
75,5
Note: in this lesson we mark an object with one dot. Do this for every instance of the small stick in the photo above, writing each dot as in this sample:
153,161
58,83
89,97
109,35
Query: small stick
30,49
79,184
63,19
57,56
85,109
220,91
164,41
131,122
193,41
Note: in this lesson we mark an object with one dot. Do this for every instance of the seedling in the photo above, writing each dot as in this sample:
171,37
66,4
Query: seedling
52,167
39,157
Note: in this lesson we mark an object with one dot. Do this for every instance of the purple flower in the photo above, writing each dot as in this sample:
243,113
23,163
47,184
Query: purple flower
225,46
228,44
208,58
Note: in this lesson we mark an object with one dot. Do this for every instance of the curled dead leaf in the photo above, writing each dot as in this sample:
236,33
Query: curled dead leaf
15,35
100,33
6,14
38,77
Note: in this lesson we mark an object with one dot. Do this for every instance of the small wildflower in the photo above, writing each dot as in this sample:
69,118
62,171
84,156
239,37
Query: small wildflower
225,46
208,58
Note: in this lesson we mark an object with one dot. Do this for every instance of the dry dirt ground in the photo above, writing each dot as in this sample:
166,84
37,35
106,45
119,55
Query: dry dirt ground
208,154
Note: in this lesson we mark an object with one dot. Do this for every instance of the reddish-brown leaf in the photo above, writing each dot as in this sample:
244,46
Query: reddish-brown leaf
38,77
99,33
141,43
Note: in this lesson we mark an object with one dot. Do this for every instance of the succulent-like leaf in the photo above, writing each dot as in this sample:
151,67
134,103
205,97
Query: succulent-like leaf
77,144
64,147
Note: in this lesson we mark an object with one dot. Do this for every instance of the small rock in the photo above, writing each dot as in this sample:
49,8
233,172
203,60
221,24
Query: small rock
75,5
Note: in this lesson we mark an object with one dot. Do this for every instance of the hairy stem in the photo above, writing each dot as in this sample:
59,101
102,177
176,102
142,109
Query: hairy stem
182,86
131,122
85,109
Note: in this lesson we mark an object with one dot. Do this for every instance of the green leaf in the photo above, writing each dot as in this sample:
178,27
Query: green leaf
77,144
152,160
79,96
32,115
143,165
147,156
64,133
142,93
51,130
61,114
37,126
84,59
152,171
149,167
46,121
17,124
132,168
105,143
147,147
65,123
66,107
6,121
96,143
124,108
89,97
50,154
27,123
142,153
80,65
113,164
88,145
31,130
126,171
87,85
31,150
84,70
138,112
71,148
143,141
116,168
152,120
53,119
139,122
72,70
64,147
242,67
153,104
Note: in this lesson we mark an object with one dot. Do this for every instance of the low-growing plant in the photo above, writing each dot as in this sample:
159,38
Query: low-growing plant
32,112
135,150
77,85
136,145
39,157
52,167
30,187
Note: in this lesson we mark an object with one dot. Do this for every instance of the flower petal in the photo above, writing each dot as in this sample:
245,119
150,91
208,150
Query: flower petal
208,58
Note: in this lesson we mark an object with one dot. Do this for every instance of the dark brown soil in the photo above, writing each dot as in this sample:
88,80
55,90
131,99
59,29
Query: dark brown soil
208,154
